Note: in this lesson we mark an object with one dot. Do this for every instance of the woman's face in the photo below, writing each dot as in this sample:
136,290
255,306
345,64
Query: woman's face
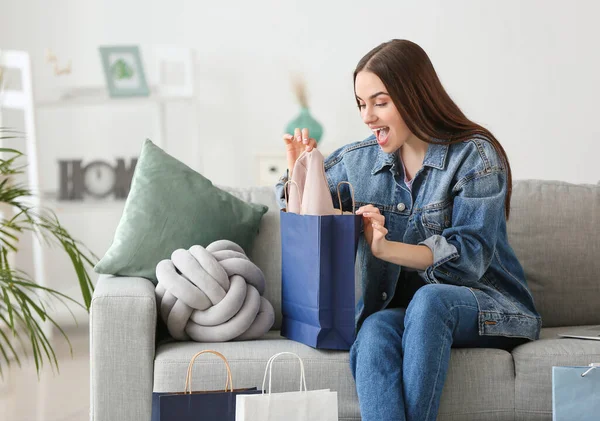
379,112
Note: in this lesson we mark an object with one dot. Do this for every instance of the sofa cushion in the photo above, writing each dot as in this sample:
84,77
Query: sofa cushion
170,206
480,383
554,230
479,386
533,368
266,252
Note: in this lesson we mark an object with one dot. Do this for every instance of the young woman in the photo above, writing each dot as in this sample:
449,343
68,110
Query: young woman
436,268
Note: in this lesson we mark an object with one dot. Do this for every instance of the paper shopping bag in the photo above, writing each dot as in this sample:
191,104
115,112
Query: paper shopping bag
304,405
576,393
218,405
317,268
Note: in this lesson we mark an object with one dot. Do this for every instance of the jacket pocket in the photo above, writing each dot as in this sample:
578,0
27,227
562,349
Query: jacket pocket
437,217
505,304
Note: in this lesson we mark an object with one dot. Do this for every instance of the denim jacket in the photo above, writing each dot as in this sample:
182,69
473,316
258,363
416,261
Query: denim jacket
456,208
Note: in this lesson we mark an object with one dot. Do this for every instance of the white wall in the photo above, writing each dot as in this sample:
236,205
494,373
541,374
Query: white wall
528,70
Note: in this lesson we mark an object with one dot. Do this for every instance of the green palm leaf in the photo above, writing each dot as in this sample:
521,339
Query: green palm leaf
24,304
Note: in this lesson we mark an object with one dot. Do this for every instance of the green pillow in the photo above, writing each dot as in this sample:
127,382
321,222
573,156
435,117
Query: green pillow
171,206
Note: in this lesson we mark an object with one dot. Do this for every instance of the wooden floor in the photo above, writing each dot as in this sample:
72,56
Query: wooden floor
63,396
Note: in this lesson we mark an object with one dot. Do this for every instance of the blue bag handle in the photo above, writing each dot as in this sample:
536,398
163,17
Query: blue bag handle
338,194
351,193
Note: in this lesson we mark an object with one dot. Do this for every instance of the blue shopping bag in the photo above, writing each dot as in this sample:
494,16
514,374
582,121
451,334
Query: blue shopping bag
317,269
576,393
218,405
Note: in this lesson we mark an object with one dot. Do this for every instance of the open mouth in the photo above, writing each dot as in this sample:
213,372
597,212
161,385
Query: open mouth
382,134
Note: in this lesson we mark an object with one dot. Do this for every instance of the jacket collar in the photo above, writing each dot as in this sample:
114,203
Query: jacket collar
434,157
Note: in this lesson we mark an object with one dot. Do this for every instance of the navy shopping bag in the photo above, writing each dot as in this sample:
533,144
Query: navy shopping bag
576,393
218,405
317,264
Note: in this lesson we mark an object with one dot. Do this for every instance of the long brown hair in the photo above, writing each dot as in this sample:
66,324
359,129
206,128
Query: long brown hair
423,103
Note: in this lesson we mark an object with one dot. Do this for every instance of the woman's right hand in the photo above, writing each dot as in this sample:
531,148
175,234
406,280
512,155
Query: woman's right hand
297,144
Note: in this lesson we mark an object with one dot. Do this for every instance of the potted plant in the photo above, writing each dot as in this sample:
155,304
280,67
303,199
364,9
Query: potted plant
23,301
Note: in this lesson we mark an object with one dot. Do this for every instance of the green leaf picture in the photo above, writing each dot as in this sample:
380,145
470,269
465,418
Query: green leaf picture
121,70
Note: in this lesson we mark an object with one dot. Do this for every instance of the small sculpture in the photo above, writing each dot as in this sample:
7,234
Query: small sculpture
304,119
51,58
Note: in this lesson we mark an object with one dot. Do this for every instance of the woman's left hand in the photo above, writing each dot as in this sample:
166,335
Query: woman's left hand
374,227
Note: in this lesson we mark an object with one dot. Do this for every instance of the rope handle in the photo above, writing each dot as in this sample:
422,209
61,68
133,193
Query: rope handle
592,366
351,193
338,194
269,368
188,377
287,205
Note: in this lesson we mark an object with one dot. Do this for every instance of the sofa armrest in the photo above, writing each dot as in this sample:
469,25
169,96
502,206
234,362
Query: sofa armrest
122,344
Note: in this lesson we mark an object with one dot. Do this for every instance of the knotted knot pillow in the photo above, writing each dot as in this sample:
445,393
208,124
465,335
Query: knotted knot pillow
213,294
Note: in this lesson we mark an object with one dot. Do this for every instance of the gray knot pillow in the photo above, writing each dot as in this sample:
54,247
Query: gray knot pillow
213,294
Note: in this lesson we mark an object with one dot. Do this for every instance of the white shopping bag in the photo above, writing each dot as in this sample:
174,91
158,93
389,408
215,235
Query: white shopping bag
303,405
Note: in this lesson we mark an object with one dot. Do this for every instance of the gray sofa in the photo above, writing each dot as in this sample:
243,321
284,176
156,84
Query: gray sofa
555,231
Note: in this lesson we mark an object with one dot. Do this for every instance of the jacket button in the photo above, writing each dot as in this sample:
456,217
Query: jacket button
401,207
383,296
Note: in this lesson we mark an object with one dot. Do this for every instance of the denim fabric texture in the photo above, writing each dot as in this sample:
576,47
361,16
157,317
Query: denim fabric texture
456,208
400,357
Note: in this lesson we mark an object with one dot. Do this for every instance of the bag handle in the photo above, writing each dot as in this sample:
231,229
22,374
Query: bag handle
593,366
285,192
352,195
269,368
338,194
188,377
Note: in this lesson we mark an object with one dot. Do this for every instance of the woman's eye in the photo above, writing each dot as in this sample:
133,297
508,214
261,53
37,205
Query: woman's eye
361,106
383,104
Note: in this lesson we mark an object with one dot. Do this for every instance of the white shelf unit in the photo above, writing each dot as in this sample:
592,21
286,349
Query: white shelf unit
98,97
22,100
61,123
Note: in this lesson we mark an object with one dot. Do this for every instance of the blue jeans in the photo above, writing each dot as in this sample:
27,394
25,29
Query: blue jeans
400,357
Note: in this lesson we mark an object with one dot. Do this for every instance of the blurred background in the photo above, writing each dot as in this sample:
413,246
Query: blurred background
213,86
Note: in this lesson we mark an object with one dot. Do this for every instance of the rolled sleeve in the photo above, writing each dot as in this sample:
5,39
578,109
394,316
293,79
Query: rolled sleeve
464,251
442,251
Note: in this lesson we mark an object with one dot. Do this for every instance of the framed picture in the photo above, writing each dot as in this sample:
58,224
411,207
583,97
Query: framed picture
174,71
124,71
